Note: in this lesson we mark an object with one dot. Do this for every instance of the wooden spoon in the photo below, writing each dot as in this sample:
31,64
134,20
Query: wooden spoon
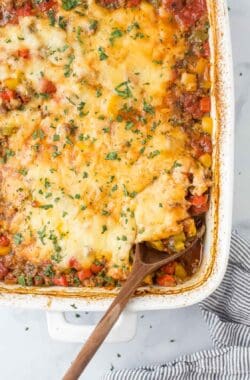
146,261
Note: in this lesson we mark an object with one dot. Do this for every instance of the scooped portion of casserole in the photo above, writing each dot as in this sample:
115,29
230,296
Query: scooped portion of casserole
105,135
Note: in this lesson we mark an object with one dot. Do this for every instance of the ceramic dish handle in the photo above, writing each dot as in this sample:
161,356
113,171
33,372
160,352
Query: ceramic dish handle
60,329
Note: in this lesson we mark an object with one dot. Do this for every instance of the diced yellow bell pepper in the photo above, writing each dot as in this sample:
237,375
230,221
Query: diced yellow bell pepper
148,280
206,84
180,271
206,160
179,246
5,250
207,124
189,81
179,241
190,228
11,83
157,245
201,65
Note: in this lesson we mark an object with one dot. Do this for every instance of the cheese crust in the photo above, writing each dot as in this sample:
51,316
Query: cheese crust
94,158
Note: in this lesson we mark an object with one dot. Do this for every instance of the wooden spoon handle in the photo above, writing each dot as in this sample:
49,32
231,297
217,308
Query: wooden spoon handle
106,323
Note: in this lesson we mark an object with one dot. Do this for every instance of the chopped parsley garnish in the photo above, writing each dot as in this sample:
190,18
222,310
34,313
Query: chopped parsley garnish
23,171
46,207
38,134
129,125
67,68
154,154
18,238
127,193
123,90
85,175
51,16
102,55
148,108
57,257
56,137
116,33
21,280
104,229
62,23
106,130
93,24
80,108
42,234
98,93
176,164
132,26
69,4
112,156
105,212
48,271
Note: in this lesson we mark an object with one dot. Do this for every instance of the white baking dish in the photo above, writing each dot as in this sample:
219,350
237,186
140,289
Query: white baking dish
58,300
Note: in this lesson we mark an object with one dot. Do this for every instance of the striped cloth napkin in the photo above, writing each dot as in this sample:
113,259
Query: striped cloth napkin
227,313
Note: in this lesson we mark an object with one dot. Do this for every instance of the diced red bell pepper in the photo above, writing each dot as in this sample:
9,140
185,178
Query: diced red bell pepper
84,274
199,203
169,268
133,3
205,104
60,280
24,11
96,268
166,280
47,87
4,241
7,95
46,5
24,53
74,263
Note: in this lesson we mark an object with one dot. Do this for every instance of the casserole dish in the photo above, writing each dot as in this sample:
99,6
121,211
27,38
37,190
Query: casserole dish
218,222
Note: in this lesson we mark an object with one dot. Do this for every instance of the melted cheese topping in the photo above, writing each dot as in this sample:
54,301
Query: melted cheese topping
95,166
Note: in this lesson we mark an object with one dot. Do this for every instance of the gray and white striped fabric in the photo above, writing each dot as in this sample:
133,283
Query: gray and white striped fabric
227,313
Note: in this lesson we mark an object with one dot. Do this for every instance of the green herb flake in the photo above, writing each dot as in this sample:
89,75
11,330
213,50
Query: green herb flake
38,134
57,257
129,125
23,171
148,108
42,234
154,153
102,55
70,4
116,33
21,280
111,156
51,16
176,164
48,271
62,23
18,238
123,90
98,93
56,137
46,207
93,24
85,175
104,229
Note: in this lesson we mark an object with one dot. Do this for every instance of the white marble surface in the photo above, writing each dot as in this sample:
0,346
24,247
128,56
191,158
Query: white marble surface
26,350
